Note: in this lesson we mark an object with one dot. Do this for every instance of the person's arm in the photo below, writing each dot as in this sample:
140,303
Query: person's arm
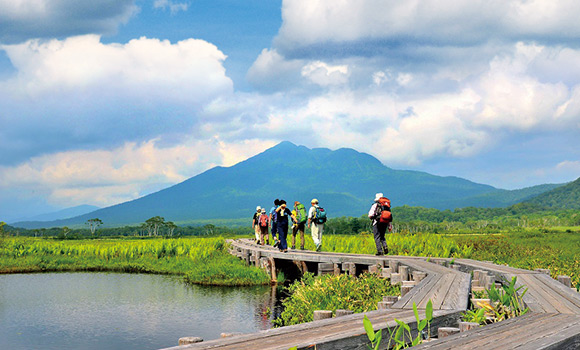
373,211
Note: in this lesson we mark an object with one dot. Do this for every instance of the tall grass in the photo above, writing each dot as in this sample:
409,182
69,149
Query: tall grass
424,244
199,260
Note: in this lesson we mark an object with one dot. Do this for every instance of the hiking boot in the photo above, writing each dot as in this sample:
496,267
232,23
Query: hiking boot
276,243
293,247
379,254
301,248
318,247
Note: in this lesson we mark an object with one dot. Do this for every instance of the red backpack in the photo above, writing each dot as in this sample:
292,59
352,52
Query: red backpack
263,220
384,205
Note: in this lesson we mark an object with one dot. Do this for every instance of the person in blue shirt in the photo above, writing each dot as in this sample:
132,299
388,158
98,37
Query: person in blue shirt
273,221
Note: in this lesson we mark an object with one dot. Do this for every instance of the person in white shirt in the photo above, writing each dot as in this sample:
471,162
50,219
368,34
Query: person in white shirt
379,228
315,228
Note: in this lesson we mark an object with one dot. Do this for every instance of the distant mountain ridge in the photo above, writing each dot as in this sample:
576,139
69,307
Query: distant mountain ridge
345,181
63,213
562,197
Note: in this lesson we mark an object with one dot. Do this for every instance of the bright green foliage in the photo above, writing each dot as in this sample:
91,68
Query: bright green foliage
477,316
399,244
331,292
200,260
401,336
374,337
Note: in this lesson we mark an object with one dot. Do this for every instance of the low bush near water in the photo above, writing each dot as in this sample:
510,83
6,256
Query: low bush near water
200,260
331,292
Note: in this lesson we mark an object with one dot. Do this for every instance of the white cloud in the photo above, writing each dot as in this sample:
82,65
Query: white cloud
172,6
324,74
80,91
21,20
448,22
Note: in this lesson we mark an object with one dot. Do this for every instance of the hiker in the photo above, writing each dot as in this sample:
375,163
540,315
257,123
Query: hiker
380,214
283,214
255,225
263,222
273,220
300,217
316,220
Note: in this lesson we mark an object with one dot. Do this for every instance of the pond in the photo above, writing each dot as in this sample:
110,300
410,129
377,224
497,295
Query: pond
108,311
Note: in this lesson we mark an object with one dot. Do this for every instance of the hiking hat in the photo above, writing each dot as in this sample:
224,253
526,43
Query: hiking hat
314,200
258,208
263,210
377,196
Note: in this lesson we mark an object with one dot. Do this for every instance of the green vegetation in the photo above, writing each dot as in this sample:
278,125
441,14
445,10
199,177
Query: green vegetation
331,292
506,302
557,250
198,260
397,336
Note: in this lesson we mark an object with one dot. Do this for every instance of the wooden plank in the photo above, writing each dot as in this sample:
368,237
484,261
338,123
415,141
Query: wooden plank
418,293
485,337
564,304
565,292
545,297
567,330
439,292
458,298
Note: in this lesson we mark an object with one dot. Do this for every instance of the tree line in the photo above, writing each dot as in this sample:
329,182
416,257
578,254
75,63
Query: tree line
406,219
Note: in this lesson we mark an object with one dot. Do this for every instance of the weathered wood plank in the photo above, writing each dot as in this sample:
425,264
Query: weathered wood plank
458,297
548,301
566,293
437,295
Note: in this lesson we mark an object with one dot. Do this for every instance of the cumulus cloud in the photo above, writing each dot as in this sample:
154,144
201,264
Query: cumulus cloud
392,23
80,92
22,20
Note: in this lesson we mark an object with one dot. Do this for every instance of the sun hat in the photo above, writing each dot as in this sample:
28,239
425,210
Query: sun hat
263,210
314,200
258,208
377,196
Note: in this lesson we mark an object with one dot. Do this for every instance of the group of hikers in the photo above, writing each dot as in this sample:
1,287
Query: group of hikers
276,222
278,218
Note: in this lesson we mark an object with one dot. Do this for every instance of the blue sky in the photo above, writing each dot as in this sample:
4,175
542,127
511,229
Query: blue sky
105,101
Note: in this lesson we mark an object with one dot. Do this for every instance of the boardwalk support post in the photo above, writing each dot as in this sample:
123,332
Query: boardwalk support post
321,315
565,280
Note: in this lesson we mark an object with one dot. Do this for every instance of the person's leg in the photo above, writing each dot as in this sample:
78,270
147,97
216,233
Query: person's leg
258,234
265,235
301,230
314,234
282,234
377,236
294,231
274,229
382,232
320,231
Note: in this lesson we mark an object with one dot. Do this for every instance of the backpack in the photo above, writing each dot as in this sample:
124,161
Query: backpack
320,215
384,214
263,220
301,214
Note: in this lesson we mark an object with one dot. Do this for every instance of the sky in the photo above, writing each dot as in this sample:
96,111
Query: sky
105,101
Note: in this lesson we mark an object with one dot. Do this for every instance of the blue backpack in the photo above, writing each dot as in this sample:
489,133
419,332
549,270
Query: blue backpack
320,215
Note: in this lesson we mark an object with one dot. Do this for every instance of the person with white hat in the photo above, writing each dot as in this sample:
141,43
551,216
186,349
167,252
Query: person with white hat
315,225
381,217
255,224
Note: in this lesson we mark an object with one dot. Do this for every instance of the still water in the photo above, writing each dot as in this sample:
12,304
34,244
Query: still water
108,311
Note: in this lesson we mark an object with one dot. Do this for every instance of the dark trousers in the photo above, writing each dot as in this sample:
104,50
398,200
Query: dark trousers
274,229
282,233
379,230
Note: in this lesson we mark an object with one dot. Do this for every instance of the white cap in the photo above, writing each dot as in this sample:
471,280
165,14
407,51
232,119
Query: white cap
377,196
258,208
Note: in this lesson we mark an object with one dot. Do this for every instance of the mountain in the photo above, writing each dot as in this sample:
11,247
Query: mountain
63,214
345,182
563,197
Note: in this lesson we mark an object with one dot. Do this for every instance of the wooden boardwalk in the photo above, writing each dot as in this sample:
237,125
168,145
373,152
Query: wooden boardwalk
552,323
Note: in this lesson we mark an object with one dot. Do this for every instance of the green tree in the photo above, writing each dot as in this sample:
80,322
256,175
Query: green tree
154,224
2,224
94,224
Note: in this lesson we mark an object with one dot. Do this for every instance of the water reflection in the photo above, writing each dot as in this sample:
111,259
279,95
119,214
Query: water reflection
123,311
